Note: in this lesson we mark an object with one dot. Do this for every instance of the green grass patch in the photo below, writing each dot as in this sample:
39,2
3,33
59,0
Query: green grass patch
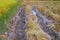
6,17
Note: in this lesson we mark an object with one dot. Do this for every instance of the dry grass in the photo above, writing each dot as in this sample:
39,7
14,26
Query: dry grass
51,9
34,32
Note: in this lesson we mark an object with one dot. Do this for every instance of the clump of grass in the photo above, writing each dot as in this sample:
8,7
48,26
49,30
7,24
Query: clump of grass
33,31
